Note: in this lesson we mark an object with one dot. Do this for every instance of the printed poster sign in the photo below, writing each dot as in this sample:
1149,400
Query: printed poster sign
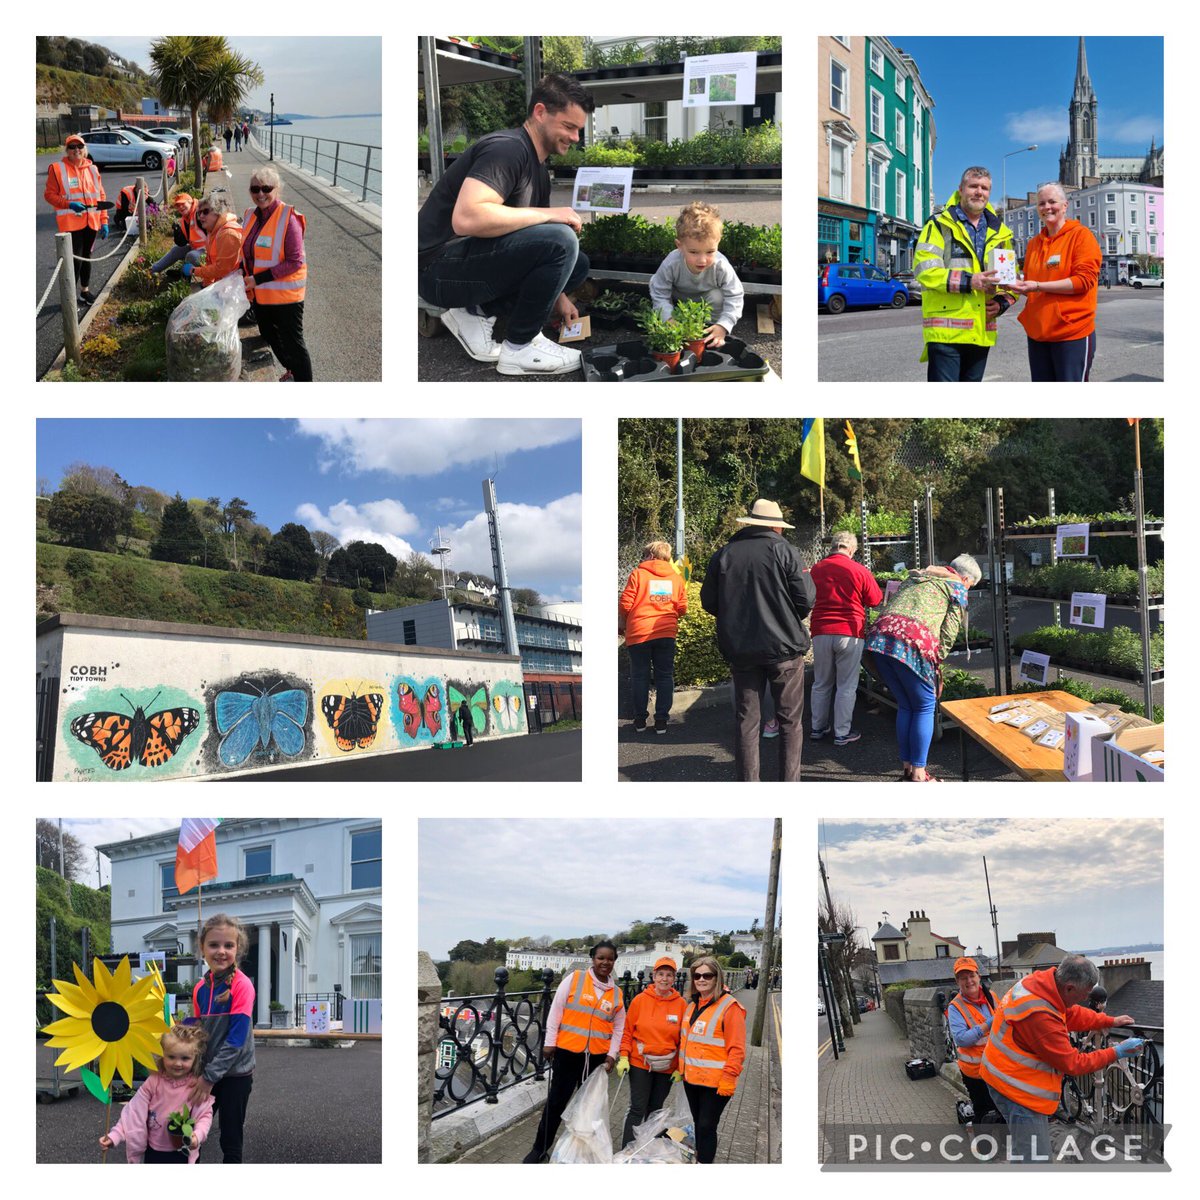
1071,541
316,1017
1035,667
712,79
1087,609
602,189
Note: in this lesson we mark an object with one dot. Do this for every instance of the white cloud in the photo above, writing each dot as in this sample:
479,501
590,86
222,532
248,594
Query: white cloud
382,521
1037,125
1136,131
420,447
542,546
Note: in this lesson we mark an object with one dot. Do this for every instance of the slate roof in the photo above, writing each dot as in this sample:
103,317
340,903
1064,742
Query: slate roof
886,931
934,969
1142,999
1041,955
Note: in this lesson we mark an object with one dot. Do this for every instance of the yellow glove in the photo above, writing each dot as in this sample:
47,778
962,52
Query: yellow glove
727,1086
676,1076
622,1065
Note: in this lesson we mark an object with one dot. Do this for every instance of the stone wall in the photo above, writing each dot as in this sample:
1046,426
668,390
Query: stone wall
894,1003
925,1022
429,994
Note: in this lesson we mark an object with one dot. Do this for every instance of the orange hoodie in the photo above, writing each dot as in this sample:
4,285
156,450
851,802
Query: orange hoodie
653,601
652,1026
1046,1038
224,251
1054,316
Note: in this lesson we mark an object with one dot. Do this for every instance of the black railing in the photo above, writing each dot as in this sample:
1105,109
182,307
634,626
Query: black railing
303,999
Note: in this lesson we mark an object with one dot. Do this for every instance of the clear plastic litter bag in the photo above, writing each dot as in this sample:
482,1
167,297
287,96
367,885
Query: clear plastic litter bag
585,1136
674,1120
203,345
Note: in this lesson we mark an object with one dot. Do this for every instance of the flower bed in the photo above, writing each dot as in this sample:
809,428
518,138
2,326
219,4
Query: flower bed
1117,652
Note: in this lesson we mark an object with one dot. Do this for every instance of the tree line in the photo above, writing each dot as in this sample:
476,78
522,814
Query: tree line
75,54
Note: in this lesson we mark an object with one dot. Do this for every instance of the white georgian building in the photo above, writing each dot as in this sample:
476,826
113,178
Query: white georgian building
307,889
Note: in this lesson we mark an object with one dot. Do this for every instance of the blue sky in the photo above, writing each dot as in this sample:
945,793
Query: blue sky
993,95
390,481
319,76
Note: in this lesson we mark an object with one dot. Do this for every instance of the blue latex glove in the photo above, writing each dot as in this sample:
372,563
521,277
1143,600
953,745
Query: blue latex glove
103,232
1129,1047
188,268
75,206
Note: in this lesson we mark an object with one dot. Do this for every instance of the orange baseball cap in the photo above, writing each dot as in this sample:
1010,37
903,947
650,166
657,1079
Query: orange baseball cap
966,964
666,961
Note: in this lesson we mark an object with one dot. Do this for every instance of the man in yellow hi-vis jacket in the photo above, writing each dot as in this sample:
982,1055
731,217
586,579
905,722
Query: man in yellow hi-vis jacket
959,298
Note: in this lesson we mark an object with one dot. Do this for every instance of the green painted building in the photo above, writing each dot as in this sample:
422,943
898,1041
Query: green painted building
900,141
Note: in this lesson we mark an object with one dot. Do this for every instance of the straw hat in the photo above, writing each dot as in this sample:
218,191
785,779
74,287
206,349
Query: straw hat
765,512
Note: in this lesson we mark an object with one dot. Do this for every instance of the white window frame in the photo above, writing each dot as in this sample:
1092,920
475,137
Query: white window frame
901,138
877,197
880,132
901,195
898,85
350,860
1134,197
918,207
844,38
1110,216
1110,197
877,58
158,872
1150,198
1153,240
1133,246
1092,220
846,82
1132,217
269,847
1151,222
377,937
1112,243
845,147
1091,201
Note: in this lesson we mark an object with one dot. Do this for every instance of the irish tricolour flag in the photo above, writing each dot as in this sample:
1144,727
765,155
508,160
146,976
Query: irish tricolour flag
196,858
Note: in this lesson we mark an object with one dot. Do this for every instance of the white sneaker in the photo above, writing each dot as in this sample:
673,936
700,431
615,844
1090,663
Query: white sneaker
540,357
474,333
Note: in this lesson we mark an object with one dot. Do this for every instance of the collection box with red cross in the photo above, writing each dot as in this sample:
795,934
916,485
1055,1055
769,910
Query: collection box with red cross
1004,263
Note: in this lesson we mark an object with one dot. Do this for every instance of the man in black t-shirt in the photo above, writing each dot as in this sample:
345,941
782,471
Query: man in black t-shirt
488,242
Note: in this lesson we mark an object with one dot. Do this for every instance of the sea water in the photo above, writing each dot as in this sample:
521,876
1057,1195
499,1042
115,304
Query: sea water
297,143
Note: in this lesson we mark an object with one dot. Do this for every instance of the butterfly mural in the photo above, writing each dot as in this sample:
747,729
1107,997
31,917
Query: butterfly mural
421,707
508,706
121,740
476,696
252,721
354,719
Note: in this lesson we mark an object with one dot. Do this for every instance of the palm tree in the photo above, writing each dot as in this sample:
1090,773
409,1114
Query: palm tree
191,71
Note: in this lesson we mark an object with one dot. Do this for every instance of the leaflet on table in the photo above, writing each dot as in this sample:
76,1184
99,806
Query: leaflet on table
1087,608
1071,541
602,189
712,79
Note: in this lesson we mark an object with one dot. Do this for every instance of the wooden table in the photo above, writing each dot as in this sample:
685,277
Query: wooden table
1013,748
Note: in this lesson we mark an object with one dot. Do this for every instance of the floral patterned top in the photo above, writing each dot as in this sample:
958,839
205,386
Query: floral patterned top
921,621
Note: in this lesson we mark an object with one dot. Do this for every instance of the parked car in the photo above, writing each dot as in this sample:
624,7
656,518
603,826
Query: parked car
913,284
858,285
820,1007
112,147
1141,281
862,1004
164,134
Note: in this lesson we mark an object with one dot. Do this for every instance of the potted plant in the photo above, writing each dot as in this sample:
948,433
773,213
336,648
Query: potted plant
179,1127
279,1015
664,338
693,317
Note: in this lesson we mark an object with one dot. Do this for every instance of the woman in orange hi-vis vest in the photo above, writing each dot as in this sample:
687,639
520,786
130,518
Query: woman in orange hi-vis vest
74,191
712,1048
969,1016
583,1031
276,273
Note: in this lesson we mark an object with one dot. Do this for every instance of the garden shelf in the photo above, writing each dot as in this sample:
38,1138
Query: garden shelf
1104,670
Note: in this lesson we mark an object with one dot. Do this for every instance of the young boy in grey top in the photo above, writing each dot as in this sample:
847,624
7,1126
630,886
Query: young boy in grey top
697,270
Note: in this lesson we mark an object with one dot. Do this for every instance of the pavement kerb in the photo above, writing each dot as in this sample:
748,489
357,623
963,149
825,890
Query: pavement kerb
455,1134
105,292
338,196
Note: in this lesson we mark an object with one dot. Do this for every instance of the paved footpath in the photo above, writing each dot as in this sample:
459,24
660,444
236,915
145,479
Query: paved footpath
751,1130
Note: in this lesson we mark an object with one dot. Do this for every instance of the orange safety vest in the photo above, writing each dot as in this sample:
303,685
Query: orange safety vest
1007,1068
268,252
969,1057
129,192
702,1050
214,160
587,1022
81,184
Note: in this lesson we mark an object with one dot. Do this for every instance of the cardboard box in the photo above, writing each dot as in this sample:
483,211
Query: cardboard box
1082,729
1118,758
1004,263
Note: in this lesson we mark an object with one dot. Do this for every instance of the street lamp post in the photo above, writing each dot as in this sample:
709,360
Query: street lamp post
1004,178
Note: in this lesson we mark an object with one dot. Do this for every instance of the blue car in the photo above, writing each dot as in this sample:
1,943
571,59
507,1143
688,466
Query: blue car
858,285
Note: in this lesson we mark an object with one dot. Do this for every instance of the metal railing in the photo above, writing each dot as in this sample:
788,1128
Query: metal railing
344,164
303,999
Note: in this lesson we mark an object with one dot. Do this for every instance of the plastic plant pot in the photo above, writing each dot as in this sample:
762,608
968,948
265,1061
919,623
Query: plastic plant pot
672,359
697,348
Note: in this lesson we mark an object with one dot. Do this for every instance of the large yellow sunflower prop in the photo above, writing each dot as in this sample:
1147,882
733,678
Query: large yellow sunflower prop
115,1020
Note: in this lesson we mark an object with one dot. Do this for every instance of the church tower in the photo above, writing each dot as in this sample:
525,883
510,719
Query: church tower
1080,156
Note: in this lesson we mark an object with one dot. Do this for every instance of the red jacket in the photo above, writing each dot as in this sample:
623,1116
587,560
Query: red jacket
653,601
845,590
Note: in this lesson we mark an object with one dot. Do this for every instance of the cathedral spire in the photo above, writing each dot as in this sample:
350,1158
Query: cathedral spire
1083,83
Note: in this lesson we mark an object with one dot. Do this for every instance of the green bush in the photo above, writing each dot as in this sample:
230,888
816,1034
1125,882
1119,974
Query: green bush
961,685
1120,647
879,524
1093,695
79,564
697,659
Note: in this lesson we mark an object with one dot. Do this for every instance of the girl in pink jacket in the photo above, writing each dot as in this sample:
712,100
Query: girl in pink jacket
143,1123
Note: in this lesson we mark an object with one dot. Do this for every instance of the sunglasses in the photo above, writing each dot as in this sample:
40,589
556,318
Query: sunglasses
255,189
705,975
204,212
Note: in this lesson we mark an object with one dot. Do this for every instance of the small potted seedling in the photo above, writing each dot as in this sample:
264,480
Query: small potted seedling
179,1128
693,317
664,338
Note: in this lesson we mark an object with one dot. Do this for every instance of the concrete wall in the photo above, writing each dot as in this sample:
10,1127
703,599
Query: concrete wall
187,701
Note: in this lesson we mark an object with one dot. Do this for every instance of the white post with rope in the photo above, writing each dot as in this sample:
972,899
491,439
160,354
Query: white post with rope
143,238
66,296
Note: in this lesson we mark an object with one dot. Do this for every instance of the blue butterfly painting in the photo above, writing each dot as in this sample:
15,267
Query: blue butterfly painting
248,721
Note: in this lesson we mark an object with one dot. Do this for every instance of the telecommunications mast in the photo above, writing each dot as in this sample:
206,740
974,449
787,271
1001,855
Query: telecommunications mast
440,550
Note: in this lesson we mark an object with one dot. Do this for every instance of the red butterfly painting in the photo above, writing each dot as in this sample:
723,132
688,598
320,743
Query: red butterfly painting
420,707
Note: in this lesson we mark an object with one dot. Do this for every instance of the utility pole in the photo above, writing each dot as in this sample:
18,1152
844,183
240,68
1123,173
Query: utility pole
836,970
271,153
768,942
678,489
992,910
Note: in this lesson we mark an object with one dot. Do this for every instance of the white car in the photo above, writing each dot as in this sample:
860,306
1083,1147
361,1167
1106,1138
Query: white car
1141,281
820,1008
178,136
112,147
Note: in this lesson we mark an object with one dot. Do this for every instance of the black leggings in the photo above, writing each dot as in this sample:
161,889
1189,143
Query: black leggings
231,1095
82,241
283,327
707,1108
647,1092
165,1156
566,1076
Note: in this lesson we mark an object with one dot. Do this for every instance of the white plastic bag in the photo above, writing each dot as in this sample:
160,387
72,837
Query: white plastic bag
649,1146
203,345
585,1136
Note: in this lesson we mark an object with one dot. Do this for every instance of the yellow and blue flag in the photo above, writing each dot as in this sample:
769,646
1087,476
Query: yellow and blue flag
852,447
812,449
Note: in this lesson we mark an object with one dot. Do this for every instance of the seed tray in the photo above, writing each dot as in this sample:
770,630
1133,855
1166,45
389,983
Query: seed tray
631,361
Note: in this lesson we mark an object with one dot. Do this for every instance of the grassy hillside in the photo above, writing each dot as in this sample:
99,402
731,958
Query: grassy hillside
119,585
56,85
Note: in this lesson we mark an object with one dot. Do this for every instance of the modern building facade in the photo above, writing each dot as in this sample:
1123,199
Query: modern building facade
845,225
308,890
